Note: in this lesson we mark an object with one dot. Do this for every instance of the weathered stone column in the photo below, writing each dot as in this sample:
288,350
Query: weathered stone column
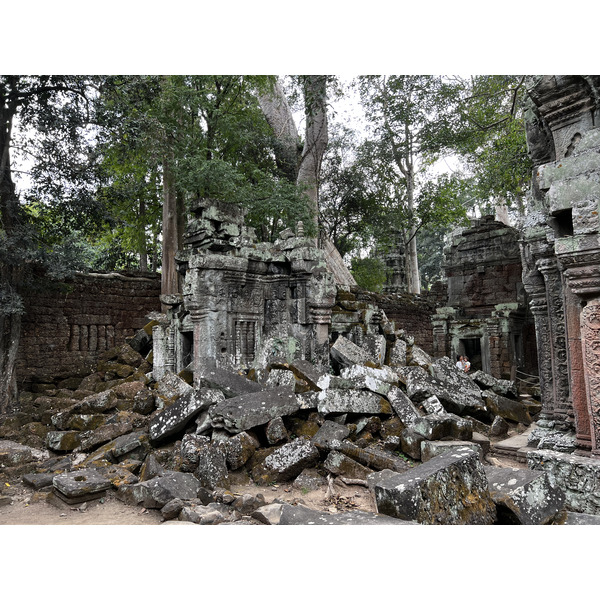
548,267
204,339
322,295
581,419
539,309
590,329
441,337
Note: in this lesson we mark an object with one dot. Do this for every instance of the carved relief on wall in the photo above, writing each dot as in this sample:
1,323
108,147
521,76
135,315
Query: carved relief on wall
590,322
558,339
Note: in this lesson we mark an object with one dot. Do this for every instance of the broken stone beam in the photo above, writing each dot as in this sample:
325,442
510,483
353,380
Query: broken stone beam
250,410
451,489
175,417
352,401
369,457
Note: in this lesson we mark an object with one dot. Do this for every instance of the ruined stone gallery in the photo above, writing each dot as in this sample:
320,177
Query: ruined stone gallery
271,392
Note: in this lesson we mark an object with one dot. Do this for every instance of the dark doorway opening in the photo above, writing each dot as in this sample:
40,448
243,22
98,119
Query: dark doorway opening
472,350
187,348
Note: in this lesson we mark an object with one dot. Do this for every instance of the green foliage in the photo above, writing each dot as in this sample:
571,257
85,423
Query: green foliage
346,202
492,141
369,273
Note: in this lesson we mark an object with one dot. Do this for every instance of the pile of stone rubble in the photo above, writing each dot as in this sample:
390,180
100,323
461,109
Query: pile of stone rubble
414,431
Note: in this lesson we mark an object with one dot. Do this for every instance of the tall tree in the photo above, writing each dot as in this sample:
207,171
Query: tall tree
492,141
411,121
308,173
346,202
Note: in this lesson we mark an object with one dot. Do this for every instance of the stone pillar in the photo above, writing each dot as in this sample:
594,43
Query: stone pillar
539,309
580,417
204,340
583,281
441,335
548,267
492,327
590,330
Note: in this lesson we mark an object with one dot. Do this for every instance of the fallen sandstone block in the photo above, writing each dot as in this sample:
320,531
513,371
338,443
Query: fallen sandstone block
370,457
450,489
430,449
345,353
328,432
175,417
212,466
301,515
80,485
13,454
344,466
276,431
502,387
308,372
506,408
156,492
239,449
523,496
250,410
230,383
403,406
352,401
286,462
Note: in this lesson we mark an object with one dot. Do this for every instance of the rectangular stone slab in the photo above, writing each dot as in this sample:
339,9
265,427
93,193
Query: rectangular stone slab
301,515
75,484
352,401
175,417
523,496
450,489
250,410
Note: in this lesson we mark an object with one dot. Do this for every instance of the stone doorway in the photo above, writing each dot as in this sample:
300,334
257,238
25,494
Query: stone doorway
471,347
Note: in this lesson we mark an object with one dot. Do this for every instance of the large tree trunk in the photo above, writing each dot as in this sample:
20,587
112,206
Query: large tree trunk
306,173
278,114
413,279
10,317
143,246
315,108
10,334
170,232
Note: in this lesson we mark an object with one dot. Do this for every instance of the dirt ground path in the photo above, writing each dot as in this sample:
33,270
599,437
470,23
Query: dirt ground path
30,508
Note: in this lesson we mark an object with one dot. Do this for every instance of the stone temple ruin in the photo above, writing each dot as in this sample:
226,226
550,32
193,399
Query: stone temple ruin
486,315
244,303
267,371
561,261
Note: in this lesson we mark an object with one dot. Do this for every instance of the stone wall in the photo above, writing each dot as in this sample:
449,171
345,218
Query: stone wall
483,267
485,316
408,312
67,326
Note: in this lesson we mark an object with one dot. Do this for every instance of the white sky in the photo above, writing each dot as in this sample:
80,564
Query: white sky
314,36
